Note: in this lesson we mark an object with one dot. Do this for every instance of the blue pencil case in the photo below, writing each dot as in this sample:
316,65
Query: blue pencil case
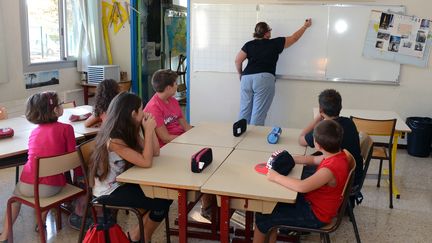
274,135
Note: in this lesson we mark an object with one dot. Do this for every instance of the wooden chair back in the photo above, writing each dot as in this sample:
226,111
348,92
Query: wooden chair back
85,151
366,149
57,164
375,127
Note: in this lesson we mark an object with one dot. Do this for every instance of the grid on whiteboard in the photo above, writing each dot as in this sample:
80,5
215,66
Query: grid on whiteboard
216,39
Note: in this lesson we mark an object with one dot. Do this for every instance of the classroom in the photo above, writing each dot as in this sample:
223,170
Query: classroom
199,40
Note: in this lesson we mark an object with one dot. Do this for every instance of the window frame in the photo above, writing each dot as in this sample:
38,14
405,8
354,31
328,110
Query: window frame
49,65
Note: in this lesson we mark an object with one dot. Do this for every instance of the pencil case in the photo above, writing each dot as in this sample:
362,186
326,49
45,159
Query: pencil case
6,132
201,160
239,127
74,118
282,162
274,135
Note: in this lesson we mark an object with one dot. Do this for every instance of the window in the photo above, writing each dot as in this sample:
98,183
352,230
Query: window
50,33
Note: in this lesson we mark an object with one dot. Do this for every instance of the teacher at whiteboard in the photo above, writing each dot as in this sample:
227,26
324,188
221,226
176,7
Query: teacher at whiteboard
257,80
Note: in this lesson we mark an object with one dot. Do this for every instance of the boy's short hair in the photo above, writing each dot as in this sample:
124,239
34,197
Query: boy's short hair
330,102
40,107
328,134
163,78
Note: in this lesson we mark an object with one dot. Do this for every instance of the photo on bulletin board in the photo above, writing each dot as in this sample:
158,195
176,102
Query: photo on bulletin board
39,79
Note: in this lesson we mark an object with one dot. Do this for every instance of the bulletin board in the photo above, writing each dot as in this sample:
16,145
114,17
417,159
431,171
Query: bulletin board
399,38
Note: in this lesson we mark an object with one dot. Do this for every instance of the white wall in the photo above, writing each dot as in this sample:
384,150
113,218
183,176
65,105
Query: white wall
13,93
215,96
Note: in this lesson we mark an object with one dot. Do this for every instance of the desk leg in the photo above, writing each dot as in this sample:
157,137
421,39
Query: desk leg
248,226
182,215
224,219
85,90
394,151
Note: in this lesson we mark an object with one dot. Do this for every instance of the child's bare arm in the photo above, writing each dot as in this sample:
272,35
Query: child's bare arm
308,128
140,159
164,135
315,181
92,121
184,124
308,159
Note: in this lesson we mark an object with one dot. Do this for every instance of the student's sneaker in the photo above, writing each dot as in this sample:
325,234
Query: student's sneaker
273,136
75,221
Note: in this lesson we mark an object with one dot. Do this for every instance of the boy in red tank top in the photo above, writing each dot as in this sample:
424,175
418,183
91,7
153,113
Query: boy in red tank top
319,195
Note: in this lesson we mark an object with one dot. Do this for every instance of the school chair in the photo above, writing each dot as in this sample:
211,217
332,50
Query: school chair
47,167
85,150
70,104
384,128
366,148
333,226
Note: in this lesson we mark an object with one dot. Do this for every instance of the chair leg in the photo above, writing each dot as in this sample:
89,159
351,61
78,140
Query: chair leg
327,238
42,230
390,183
167,229
83,223
353,221
59,219
379,173
9,217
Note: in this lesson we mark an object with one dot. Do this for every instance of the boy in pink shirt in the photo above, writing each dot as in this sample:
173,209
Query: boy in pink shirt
166,110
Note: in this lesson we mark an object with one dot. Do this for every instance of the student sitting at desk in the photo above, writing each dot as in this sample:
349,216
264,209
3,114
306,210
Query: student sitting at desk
319,195
120,146
166,110
49,138
170,121
105,92
330,105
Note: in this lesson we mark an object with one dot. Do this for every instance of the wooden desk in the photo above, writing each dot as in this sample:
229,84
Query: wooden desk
89,89
256,140
18,124
210,134
238,186
400,129
170,177
79,126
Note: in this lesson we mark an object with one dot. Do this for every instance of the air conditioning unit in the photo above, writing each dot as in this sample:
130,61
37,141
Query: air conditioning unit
98,73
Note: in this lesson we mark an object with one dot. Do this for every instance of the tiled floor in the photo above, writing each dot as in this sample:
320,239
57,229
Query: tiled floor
409,221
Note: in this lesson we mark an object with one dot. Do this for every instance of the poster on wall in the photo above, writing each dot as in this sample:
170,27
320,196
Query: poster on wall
39,79
402,34
397,37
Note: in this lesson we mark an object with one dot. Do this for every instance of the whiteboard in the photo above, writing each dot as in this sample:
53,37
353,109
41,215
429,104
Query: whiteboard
307,57
218,31
3,55
345,59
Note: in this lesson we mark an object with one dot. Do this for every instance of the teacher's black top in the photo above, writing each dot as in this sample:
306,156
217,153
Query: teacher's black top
262,55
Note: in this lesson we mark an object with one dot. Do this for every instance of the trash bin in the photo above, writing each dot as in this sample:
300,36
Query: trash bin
420,138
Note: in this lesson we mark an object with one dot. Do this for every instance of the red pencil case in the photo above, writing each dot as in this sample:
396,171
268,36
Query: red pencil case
201,160
6,132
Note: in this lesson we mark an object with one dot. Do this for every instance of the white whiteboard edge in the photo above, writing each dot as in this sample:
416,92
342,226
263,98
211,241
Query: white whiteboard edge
336,80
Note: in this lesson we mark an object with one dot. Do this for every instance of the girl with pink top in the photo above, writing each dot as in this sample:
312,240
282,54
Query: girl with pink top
49,138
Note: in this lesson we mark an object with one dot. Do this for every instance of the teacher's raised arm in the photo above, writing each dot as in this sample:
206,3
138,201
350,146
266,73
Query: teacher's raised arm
289,40
257,80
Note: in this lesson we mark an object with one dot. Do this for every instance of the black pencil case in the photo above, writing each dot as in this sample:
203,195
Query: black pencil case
239,127
201,160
